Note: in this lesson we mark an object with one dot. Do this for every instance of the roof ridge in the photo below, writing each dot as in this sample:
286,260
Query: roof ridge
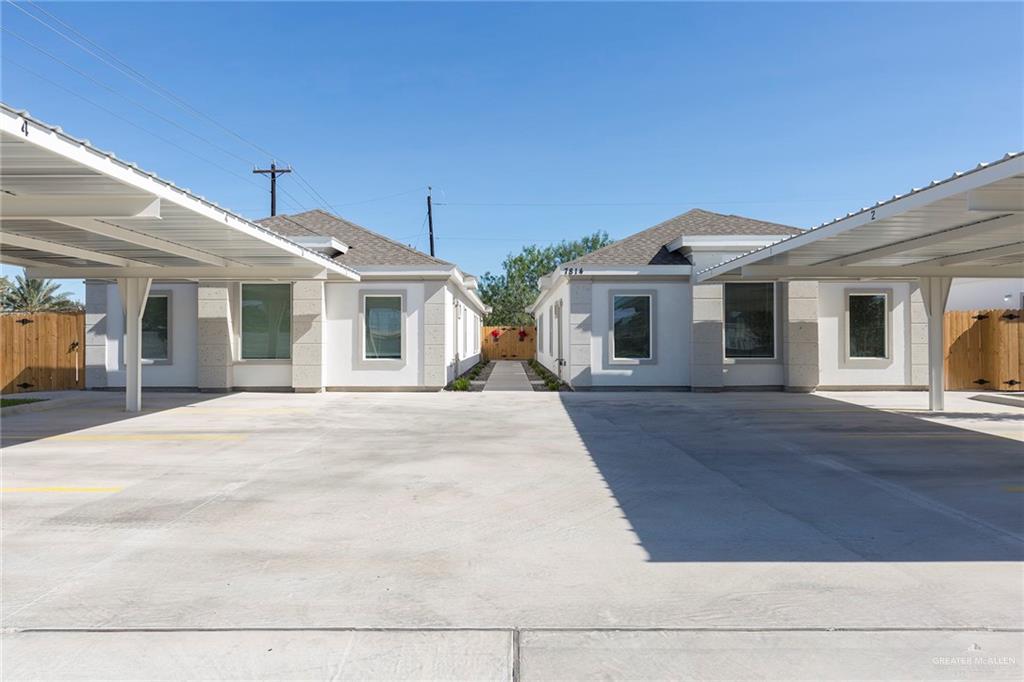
375,234
637,234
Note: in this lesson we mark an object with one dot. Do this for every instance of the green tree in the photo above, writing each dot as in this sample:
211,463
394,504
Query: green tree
36,296
511,291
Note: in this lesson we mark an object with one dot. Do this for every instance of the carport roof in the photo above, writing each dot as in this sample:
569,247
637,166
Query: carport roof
970,224
70,210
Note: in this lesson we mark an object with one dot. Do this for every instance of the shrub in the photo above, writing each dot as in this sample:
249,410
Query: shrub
460,384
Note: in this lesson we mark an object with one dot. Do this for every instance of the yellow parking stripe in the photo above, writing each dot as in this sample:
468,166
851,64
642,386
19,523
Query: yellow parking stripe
60,489
1014,488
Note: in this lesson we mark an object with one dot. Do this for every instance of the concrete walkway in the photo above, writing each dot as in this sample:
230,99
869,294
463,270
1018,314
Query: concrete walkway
508,375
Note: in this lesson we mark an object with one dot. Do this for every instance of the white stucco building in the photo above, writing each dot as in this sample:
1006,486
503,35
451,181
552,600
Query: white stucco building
411,322
182,293
634,316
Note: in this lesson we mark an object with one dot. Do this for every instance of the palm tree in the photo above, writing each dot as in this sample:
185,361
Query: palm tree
37,295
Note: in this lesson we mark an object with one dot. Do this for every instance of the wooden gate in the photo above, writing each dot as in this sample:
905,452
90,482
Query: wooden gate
509,343
42,352
984,350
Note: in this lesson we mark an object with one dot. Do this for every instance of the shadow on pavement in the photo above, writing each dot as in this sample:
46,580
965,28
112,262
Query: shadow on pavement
789,477
82,410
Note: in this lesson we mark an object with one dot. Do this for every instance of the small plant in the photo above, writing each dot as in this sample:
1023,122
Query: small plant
552,382
460,384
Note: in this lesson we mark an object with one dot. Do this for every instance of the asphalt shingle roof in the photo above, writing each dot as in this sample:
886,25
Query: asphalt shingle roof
366,247
648,247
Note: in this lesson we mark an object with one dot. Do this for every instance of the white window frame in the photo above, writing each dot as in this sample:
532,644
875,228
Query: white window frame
651,295
867,362
774,357
361,331
169,295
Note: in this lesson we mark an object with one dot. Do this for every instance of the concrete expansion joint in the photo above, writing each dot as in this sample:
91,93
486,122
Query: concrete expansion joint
517,631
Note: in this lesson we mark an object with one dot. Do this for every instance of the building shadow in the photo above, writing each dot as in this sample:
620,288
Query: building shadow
66,412
773,477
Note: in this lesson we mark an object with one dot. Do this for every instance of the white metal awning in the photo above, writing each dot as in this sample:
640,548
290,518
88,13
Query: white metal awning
969,225
69,210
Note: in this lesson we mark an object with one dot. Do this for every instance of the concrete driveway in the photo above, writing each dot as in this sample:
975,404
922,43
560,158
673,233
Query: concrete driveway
510,536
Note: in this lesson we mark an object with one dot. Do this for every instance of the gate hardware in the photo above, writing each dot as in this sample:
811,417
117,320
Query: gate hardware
25,384
74,345
979,316
23,321
1009,316
1011,382
981,382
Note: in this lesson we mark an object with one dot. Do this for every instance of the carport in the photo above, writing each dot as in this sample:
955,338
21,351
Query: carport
968,225
69,211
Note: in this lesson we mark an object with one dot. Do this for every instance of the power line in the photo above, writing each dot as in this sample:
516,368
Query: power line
113,61
120,65
130,122
388,196
110,88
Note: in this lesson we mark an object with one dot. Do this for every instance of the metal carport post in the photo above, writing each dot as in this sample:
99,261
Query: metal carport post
71,211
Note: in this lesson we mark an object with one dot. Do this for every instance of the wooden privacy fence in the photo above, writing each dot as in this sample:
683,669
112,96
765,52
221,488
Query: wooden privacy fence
508,343
42,351
984,350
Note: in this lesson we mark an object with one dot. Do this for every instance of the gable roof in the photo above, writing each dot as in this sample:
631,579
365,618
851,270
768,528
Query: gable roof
648,247
365,247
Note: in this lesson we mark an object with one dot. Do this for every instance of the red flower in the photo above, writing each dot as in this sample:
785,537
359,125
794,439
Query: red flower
495,333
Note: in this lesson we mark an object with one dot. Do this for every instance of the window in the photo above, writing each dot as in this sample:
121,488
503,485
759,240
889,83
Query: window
750,320
631,337
382,317
551,331
266,321
156,323
867,318
540,333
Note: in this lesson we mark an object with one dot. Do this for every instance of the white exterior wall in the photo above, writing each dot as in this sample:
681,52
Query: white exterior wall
182,370
548,354
672,315
835,368
343,362
984,294
462,333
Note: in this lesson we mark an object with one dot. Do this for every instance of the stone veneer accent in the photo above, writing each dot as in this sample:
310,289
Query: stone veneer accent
800,336
307,336
434,311
707,354
95,334
213,333
918,339
581,302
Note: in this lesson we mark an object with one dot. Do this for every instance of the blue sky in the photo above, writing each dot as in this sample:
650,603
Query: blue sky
539,122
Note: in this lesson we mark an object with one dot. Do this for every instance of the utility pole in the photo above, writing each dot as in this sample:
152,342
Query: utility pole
430,221
273,172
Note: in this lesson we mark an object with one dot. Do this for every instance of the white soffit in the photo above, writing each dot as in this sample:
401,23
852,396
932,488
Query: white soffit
968,225
68,209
